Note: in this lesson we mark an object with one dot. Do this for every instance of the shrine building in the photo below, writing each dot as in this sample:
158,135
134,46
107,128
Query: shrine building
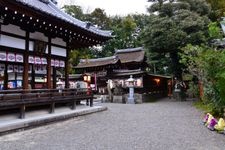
36,38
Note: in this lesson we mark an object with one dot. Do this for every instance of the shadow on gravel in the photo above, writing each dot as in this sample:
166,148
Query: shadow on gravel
154,98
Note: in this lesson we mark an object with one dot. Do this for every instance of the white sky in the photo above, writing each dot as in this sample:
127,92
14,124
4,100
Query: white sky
111,7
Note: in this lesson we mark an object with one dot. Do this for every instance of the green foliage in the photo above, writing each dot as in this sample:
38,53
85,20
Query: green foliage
207,108
173,25
209,66
218,9
75,56
193,90
98,17
75,11
126,33
214,31
125,29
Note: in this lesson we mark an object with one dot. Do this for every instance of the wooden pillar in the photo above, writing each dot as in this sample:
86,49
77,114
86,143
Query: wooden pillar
67,66
91,102
49,64
25,62
33,77
54,78
96,81
170,88
201,91
5,86
22,111
52,108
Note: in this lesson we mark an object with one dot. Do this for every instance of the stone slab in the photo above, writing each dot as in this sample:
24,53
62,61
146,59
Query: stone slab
20,124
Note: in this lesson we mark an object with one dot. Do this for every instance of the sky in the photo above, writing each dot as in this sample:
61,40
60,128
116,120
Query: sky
111,7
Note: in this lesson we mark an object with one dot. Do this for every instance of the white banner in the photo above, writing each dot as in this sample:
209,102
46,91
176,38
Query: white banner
61,64
43,61
31,60
11,57
3,56
2,67
20,68
56,63
52,62
10,68
15,68
19,58
37,60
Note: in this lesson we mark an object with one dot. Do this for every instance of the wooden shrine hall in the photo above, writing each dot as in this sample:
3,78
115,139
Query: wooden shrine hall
35,40
119,68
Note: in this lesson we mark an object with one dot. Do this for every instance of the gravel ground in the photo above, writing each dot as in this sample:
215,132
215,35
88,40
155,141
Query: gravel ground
162,125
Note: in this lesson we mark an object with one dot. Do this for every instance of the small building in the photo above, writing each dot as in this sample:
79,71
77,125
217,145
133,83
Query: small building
35,40
119,68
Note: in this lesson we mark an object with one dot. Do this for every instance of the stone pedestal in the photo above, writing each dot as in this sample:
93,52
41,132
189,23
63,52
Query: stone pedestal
117,99
104,98
130,99
138,98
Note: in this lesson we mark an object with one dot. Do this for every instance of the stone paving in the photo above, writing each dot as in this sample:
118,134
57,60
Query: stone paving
162,125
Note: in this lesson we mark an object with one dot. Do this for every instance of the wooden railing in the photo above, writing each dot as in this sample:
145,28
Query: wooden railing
23,98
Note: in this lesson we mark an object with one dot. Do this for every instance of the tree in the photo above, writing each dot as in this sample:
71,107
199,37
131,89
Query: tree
76,55
98,17
208,65
174,26
126,31
218,9
75,11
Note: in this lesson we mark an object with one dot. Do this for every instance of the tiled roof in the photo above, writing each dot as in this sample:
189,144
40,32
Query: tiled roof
124,56
86,63
131,55
122,72
48,7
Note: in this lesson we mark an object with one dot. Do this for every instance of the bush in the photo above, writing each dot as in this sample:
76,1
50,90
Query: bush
193,90
208,65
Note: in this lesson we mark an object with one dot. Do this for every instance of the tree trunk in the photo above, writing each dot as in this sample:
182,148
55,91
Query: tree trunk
176,66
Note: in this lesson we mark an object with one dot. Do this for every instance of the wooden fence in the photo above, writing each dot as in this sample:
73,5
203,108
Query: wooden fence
23,98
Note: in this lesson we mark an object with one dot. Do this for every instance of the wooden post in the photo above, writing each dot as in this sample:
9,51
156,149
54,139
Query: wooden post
54,78
26,62
87,102
49,64
73,104
5,77
5,86
33,77
169,87
201,92
22,112
52,108
74,100
91,102
67,66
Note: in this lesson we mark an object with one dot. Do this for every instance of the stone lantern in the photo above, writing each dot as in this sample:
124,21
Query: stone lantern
87,79
222,23
130,82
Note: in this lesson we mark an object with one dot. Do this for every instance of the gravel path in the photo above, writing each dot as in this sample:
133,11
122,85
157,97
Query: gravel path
163,125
